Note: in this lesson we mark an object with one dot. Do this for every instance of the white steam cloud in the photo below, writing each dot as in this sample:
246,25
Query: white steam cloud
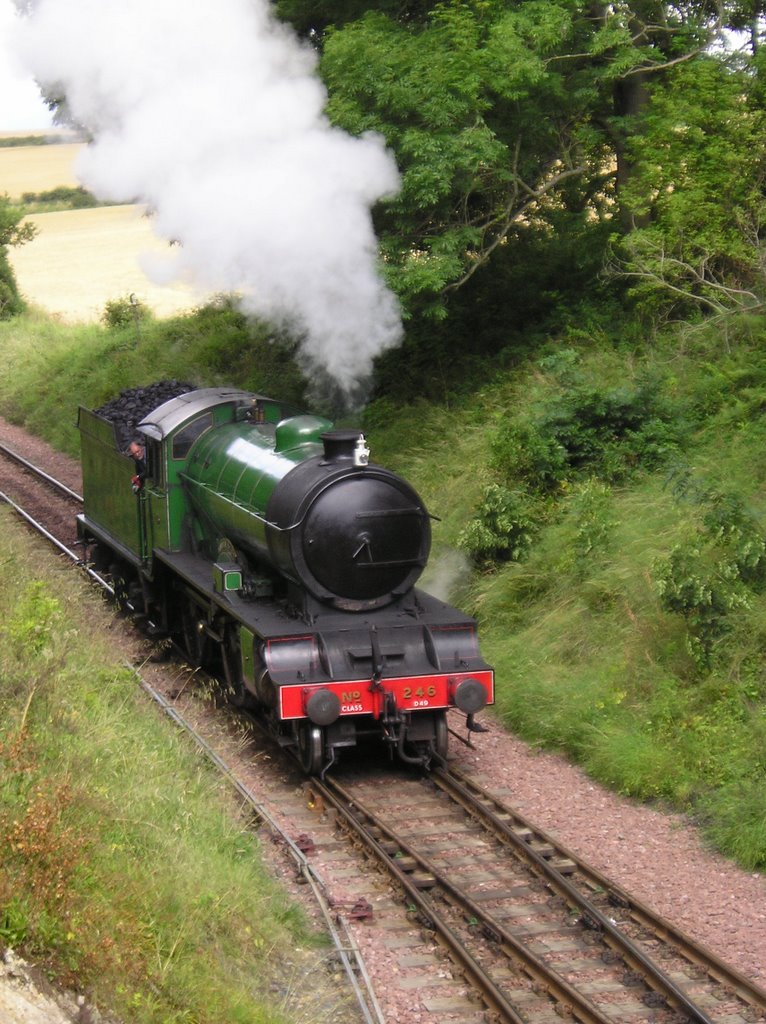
444,573
212,114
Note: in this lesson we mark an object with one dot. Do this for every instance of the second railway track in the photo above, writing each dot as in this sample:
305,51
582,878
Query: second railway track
39,474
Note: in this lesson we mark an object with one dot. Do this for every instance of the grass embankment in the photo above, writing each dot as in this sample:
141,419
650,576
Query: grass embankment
125,867
613,499
631,632
49,369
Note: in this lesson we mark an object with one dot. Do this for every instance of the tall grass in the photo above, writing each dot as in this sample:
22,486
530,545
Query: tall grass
48,369
126,868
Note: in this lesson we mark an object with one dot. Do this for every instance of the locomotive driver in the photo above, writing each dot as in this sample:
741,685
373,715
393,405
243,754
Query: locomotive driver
137,452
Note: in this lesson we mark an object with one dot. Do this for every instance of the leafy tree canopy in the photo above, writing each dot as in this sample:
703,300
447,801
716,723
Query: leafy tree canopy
698,188
481,129
501,115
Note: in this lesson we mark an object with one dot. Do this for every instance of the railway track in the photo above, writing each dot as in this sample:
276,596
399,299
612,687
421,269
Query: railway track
532,930
39,474
54,523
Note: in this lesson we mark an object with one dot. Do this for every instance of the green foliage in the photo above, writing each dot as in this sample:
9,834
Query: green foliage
502,529
703,593
35,619
525,452
585,429
590,505
143,886
713,574
14,922
124,312
58,368
737,821
697,189
13,141
225,344
476,119
12,233
11,303
503,116
539,284
63,197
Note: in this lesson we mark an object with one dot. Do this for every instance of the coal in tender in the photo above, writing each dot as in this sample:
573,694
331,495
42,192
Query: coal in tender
134,404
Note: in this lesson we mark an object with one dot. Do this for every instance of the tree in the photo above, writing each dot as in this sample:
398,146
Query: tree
700,169
504,114
12,233
485,135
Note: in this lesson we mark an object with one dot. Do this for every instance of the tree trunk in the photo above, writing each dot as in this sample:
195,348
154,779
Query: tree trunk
631,98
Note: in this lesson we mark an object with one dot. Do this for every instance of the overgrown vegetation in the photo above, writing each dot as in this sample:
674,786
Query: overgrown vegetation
63,197
12,233
51,369
127,871
612,504
13,141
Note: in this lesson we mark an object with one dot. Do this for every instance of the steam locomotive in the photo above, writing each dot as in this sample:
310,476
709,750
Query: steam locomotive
275,552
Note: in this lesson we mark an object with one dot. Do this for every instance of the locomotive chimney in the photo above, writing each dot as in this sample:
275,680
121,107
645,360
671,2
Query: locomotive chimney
345,444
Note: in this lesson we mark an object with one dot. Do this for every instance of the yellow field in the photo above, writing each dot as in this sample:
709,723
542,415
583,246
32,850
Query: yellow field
82,258
37,168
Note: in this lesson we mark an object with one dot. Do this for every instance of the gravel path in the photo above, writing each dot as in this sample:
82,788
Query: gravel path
659,857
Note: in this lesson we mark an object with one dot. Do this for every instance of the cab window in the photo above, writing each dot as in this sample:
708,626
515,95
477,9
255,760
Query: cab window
185,438
153,461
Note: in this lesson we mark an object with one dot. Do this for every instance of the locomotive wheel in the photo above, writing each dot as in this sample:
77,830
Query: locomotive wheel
441,738
310,744
231,656
194,638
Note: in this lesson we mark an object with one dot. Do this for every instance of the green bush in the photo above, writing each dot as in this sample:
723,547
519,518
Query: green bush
35,619
586,430
714,573
502,529
528,454
13,232
62,197
123,312
11,303
591,508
